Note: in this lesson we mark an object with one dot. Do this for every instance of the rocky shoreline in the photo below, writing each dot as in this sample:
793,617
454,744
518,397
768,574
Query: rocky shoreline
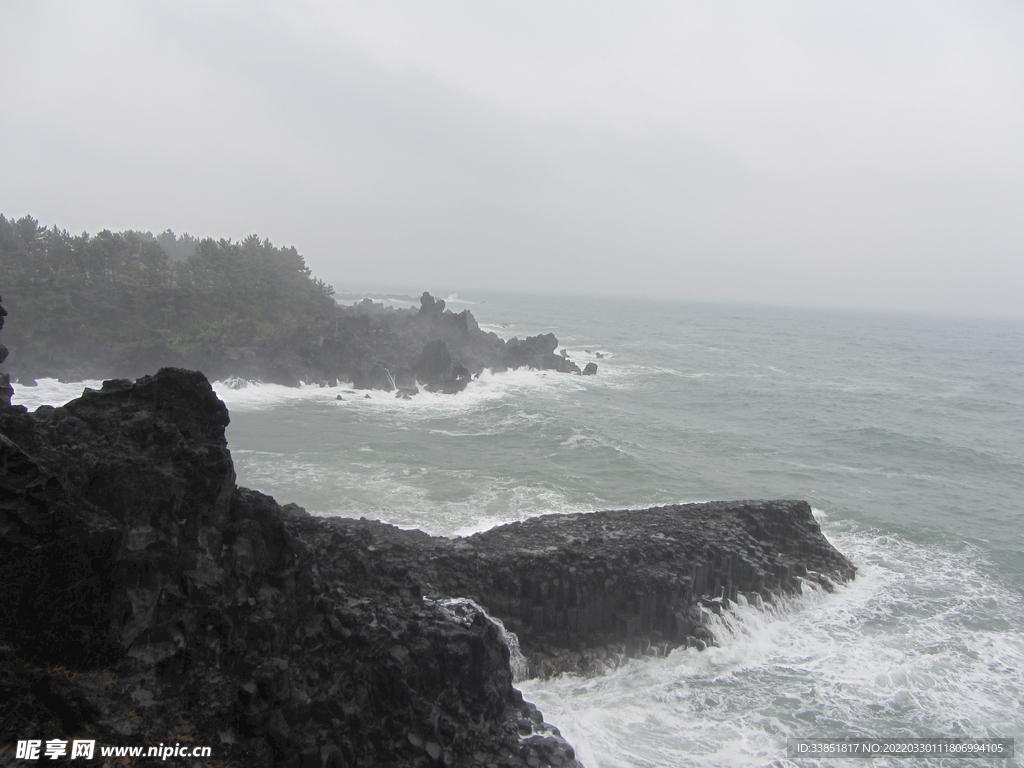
370,344
145,598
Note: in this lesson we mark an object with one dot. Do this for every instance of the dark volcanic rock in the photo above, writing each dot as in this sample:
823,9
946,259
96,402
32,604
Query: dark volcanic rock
436,370
376,376
590,369
434,364
430,306
3,314
537,352
369,344
584,591
6,392
145,598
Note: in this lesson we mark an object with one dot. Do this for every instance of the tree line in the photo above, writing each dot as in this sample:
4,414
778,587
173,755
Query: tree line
138,288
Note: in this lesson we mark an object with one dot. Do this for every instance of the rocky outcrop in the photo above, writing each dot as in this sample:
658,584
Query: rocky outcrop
585,591
537,352
146,598
430,306
367,343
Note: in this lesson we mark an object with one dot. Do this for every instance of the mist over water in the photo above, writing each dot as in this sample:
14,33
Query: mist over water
906,435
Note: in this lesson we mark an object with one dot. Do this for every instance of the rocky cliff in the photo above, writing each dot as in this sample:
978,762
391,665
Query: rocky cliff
145,598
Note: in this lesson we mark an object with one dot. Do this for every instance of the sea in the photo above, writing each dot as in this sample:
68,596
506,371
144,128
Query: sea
905,433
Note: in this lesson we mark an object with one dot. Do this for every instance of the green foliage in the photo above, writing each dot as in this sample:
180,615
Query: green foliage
127,288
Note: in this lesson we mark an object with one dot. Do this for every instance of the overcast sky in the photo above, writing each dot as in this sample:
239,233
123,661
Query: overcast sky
853,153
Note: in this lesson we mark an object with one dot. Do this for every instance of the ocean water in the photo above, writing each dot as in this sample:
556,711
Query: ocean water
905,434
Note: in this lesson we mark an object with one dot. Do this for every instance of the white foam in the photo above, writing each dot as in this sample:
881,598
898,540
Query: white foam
588,354
489,387
454,299
372,486
915,646
51,392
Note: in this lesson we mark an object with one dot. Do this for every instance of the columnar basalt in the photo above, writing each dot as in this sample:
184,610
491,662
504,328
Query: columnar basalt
581,590
634,582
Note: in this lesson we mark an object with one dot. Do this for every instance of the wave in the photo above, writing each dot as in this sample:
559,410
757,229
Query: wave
923,643
454,299
51,392
257,396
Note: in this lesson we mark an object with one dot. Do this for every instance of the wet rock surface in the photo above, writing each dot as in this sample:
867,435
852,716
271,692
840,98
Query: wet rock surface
584,592
146,598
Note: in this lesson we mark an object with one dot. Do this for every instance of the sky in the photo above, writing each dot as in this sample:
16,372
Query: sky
858,154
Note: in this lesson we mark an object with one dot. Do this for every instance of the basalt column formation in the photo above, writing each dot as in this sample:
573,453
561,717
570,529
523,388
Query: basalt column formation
583,591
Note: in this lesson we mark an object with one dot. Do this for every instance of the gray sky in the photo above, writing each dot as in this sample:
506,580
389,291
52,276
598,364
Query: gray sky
848,153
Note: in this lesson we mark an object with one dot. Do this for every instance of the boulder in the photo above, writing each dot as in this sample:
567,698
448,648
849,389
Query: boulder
590,369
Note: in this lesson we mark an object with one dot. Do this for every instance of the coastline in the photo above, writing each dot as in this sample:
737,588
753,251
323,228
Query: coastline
190,581
369,344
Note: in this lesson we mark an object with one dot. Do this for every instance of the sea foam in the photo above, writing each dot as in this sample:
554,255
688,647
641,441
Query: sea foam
914,647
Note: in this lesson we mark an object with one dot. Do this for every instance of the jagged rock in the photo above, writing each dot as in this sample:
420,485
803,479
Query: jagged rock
430,306
529,352
537,352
